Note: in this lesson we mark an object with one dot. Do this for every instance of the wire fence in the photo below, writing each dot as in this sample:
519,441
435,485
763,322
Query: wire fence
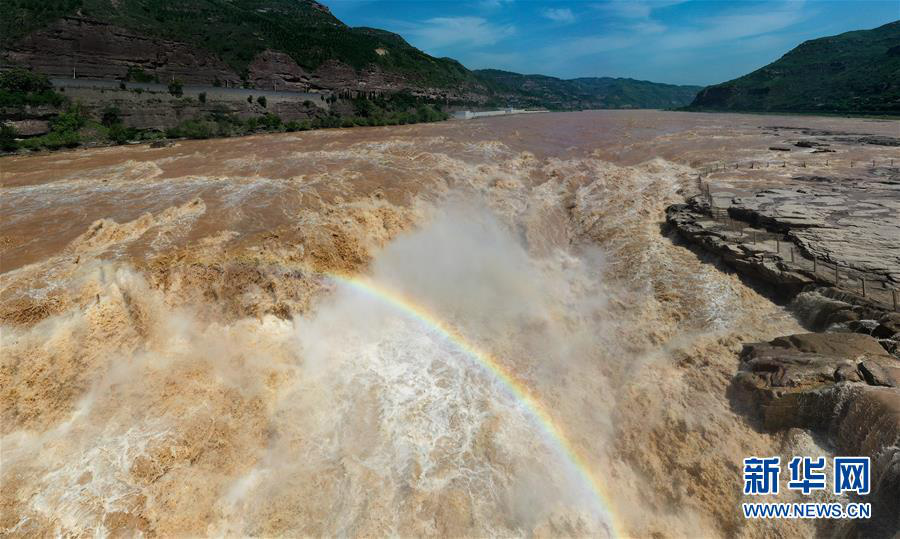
781,247
756,164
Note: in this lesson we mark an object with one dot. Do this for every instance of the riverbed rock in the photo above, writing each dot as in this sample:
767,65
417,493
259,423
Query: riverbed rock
817,233
792,381
841,384
735,248
855,224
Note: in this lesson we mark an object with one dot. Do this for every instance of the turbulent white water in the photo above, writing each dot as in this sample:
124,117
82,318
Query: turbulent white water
149,401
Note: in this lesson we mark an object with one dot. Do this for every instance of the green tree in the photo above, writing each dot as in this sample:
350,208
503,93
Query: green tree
69,121
137,74
120,134
270,121
111,115
176,88
262,101
22,80
8,141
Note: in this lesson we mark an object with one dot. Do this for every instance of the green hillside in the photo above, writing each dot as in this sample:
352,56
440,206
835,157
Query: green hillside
593,92
237,30
618,93
854,72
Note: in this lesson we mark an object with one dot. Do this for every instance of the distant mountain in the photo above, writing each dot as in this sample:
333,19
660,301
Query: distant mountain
277,44
602,92
854,72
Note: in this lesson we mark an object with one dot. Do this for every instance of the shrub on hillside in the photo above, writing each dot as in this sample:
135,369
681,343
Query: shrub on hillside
270,121
176,88
20,87
194,128
111,115
22,80
55,140
137,74
8,138
120,134
71,120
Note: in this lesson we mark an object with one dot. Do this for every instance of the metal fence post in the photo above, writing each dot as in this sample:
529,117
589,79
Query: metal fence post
814,264
894,297
792,254
836,277
863,280
777,246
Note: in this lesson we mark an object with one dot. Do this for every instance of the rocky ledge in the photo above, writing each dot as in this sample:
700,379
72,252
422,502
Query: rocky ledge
826,286
832,249
844,385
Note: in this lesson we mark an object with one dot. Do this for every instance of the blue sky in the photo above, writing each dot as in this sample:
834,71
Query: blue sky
680,42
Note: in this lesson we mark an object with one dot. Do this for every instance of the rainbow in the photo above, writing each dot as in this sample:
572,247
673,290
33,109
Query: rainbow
551,429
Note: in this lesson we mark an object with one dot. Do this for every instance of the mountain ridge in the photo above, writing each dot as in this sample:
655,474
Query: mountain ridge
853,72
293,44
592,92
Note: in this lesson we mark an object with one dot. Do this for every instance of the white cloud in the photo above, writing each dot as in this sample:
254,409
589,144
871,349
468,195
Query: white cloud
647,27
560,15
467,32
627,10
586,46
633,9
494,4
725,28
741,30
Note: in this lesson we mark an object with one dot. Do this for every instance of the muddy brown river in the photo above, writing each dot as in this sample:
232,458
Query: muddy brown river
472,328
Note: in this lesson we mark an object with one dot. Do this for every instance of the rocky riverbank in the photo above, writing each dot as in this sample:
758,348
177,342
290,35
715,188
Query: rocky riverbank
826,286
842,385
831,247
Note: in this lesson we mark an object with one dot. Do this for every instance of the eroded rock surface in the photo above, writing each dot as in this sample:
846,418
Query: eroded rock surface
749,251
855,224
844,385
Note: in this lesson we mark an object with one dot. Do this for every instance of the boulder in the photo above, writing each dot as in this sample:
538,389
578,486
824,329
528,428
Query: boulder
844,385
